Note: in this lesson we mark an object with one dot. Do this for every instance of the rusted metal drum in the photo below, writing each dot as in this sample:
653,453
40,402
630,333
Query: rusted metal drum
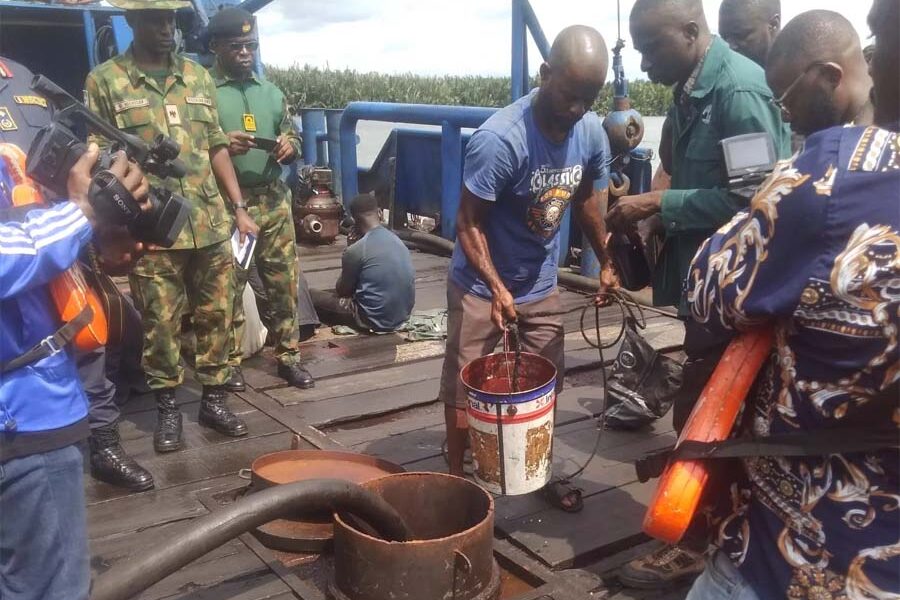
310,532
511,432
451,558
317,216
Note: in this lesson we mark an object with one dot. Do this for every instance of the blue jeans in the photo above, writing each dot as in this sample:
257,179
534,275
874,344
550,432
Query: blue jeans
721,581
43,529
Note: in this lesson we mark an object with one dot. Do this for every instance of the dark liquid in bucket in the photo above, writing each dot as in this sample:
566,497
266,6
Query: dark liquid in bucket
500,385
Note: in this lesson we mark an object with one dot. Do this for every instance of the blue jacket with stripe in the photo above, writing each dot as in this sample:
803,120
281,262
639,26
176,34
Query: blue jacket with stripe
47,394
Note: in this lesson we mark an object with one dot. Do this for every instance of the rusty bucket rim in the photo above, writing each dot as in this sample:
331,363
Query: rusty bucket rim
264,460
505,353
338,521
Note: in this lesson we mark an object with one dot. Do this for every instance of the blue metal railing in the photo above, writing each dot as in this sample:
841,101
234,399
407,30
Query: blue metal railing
523,21
451,119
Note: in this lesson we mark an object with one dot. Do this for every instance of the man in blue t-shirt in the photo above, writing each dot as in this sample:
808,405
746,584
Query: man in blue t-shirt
523,168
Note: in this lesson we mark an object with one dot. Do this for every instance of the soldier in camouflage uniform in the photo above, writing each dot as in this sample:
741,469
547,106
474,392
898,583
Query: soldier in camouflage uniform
150,90
249,107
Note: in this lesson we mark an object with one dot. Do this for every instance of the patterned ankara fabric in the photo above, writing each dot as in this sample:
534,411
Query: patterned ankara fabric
818,253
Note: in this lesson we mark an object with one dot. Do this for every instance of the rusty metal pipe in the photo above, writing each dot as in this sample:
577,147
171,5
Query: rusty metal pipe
451,556
128,579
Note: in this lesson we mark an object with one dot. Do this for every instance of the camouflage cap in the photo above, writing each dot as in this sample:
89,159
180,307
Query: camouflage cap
150,4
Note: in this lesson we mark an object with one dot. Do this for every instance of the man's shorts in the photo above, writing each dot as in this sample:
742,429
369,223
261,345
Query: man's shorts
471,334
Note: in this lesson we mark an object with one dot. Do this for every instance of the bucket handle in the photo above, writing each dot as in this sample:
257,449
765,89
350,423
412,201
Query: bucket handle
463,562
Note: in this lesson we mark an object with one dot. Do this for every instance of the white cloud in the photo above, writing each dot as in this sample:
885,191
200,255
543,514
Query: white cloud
464,37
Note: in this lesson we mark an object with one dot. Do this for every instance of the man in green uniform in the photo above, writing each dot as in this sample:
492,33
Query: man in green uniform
147,91
718,93
252,109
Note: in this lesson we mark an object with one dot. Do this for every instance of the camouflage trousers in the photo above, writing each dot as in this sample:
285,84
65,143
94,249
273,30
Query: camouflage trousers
276,261
167,284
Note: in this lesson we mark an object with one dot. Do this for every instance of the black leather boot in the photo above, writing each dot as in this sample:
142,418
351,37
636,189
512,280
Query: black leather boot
236,383
111,464
214,412
296,375
167,437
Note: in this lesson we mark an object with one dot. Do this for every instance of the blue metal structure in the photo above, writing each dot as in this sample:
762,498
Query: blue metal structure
523,21
451,119
38,34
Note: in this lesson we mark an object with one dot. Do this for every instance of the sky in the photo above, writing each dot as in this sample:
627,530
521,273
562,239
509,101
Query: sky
458,37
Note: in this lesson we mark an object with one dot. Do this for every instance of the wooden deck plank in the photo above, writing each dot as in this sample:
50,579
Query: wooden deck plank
420,417
366,404
340,356
239,576
198,464
354,383
407,447
610,522
137,512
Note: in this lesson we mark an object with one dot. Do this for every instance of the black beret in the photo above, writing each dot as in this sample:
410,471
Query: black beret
231,22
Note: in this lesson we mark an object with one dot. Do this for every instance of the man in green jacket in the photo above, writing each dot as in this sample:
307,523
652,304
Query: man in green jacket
252,109
718,94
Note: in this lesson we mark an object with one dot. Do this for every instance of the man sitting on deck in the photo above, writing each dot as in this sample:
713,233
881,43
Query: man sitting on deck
376,290
523,168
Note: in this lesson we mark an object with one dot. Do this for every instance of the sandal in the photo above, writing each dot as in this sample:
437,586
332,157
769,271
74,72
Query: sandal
557,492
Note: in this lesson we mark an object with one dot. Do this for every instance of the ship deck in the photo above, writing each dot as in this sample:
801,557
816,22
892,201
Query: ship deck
377,395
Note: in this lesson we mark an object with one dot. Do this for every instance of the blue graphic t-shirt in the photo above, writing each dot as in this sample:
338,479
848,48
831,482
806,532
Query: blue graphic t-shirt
530,181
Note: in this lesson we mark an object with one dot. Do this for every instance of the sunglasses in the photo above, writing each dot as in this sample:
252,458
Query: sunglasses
239,46
780,101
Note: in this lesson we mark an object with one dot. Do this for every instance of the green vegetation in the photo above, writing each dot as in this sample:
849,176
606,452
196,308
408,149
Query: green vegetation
325,88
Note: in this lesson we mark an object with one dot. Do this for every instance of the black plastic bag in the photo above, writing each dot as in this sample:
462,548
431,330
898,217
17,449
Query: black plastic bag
642,385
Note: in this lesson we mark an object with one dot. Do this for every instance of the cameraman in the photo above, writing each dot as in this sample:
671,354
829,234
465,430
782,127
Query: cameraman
43,411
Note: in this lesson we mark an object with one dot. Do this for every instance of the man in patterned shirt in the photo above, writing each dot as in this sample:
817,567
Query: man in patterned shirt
148,91
818,257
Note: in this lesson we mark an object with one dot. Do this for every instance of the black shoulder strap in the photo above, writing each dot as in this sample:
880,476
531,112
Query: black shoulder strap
52,344
811,443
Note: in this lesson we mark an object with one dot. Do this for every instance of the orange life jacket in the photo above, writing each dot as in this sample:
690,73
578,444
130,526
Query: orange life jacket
69,291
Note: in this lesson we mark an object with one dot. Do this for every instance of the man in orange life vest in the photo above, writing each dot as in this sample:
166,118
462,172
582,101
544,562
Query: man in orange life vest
43,412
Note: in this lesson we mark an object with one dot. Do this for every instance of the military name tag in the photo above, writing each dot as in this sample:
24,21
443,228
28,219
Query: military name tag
249,122
6,121
124,105
31,100
172,114
198,100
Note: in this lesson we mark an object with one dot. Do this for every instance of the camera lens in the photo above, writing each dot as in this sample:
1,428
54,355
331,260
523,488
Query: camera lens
165,148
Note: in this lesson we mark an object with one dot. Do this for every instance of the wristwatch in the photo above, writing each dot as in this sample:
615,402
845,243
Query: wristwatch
238,205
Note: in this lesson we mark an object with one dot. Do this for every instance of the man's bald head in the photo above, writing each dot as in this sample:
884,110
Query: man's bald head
571,79
816,35
750,26
579,46
680,10
672,37
819,53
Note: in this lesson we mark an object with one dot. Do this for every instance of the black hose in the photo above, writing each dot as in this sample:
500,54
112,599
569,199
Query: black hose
436,244
130,578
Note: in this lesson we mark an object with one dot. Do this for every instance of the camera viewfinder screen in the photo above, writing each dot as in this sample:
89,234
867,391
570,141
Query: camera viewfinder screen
748,153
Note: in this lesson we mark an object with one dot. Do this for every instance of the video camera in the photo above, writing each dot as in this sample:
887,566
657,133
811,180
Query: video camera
56,149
